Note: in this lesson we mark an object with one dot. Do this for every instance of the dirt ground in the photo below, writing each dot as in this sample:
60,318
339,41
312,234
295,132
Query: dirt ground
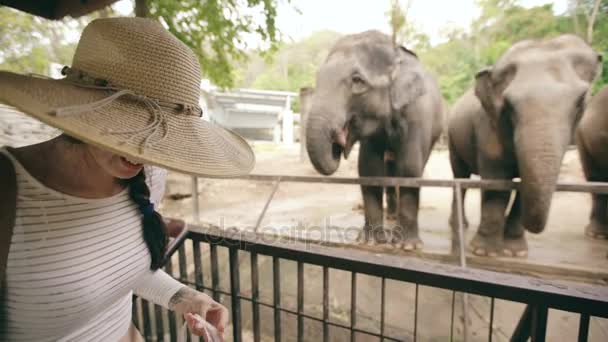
330,212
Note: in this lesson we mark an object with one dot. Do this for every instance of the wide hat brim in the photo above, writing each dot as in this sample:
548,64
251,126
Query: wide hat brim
191,145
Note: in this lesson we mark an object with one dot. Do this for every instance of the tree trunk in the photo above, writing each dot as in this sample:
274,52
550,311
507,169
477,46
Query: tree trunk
141,8
590,24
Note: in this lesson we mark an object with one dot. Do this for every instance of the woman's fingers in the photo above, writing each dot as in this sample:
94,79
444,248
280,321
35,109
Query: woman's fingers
219,317
197,326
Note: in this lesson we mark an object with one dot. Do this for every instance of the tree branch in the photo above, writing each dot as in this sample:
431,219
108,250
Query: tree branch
591,22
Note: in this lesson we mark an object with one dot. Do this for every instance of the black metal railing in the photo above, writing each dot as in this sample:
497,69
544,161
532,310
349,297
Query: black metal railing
538,295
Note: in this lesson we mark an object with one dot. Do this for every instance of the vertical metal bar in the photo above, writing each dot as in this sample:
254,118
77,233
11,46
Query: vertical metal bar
276,274
465,314
135,313
215,275
522,330
539,323
583,328
198,266
416,315
195,204
145,308
491,333
160,328
353,306
325,304
255,297
172,318
459,208
235,292
261,217
452,318
463,259
183,265
300,301
183,273
382,308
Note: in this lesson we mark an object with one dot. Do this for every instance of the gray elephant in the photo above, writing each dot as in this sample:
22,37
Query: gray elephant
369,91
592,143
518,122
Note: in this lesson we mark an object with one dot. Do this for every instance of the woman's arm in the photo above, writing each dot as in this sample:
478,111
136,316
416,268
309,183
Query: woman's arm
161,289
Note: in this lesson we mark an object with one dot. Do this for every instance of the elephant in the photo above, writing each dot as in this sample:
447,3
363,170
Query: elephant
517,122
592,144
380,95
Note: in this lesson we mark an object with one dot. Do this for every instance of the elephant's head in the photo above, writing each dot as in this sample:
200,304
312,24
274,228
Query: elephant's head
363,81
534,96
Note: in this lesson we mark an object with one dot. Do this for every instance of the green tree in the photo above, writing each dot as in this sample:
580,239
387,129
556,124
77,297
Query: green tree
216,30
30,43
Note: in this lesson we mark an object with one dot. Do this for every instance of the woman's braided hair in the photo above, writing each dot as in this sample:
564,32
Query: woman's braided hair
155,230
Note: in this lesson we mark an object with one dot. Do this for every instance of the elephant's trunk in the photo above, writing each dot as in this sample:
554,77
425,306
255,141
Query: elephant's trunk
323,143
540,148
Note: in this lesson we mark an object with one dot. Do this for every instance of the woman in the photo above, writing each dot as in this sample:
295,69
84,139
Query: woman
84,235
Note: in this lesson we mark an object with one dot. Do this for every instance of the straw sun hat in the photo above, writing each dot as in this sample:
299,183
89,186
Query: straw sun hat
133,89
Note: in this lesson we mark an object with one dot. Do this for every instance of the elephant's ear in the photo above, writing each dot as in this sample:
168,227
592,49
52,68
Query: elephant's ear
485,90
407,81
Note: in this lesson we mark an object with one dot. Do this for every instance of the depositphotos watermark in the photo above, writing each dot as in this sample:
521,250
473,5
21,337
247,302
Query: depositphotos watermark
303,234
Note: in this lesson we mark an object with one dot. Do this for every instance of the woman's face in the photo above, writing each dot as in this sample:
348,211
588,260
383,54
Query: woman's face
113,164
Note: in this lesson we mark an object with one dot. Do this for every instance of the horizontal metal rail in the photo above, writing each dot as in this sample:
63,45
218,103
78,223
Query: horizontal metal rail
465,183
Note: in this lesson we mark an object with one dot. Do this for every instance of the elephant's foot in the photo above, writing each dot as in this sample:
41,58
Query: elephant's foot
412,244
597,230
374,236
486,245
515,246
408,239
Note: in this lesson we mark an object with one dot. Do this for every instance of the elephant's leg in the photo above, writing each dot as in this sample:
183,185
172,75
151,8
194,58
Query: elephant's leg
371,164
598,223
489,238
410,163
391,193
598,220
515,243
407,219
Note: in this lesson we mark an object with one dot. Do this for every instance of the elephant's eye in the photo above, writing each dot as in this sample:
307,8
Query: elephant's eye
358,84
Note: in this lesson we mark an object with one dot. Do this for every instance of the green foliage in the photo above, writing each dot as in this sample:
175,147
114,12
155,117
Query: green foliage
216,30
30,43
293,66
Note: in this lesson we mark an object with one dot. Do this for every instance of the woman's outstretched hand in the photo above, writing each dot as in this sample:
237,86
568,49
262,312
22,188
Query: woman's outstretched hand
197,307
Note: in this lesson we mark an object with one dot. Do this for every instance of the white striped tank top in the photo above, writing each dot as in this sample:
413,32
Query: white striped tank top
74,263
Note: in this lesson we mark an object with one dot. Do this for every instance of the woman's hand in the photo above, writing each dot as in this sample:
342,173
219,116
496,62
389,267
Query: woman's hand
190,303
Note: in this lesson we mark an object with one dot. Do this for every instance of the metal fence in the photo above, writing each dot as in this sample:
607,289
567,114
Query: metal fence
539,296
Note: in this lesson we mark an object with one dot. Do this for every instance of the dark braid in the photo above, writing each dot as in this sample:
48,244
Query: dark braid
155,230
